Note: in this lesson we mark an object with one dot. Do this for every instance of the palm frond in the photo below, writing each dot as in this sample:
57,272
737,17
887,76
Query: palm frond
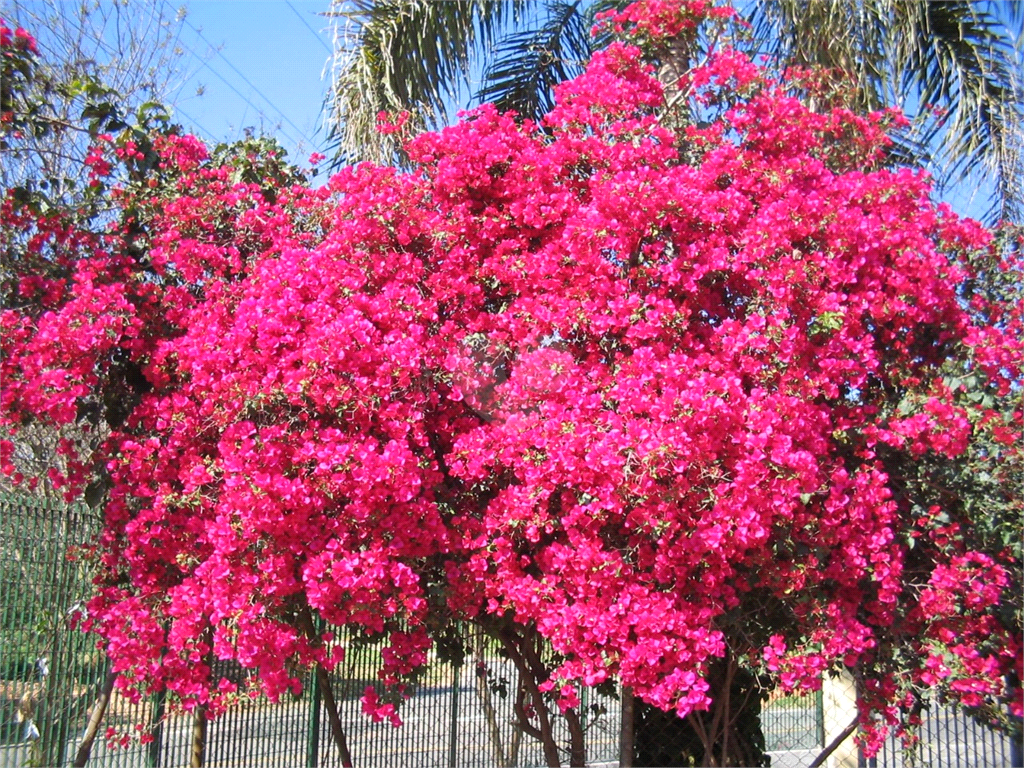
834,34
955,54
394,55
965,61
603,35
528,64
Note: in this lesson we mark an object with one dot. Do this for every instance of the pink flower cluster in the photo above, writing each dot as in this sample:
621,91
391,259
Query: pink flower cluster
19,40
663,20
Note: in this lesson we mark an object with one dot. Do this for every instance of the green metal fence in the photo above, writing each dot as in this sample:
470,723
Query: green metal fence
460,716
49,675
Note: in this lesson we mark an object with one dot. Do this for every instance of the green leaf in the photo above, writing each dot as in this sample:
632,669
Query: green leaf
530,63
414,55
955,54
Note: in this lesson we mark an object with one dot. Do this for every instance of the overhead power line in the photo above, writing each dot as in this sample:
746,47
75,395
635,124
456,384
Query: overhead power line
245,99
246,80
207,134
317,36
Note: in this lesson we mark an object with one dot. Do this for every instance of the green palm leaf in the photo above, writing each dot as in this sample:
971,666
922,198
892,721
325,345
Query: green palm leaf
527,65
964,62
394,55
957,54
963,55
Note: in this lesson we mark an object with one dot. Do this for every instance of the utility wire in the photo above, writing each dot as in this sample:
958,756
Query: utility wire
317,36
210,136
101,44
245,98
207,134
325,46
249,83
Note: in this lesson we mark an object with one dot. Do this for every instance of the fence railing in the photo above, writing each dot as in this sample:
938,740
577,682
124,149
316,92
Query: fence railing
460,716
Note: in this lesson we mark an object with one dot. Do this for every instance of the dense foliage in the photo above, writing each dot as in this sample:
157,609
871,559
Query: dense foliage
659,397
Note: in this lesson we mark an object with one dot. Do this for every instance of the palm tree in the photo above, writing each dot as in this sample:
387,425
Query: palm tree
953,65
430,58
403,55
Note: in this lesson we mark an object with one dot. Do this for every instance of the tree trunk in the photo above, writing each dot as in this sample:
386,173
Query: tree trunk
516,646
199,732
200,722
327,696
626,725
577,740
577,743
326,692
99,710
483,691
728,734
824,755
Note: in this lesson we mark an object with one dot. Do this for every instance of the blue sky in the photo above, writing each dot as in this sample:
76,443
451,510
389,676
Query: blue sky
257,65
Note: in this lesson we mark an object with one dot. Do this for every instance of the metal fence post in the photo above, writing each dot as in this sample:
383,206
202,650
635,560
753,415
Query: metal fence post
59,680
54,671
156,719
1017,744
53,710
584,705
313,736
819,704
453,730
626,728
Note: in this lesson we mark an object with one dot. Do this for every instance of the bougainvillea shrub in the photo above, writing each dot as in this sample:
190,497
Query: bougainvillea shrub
656,396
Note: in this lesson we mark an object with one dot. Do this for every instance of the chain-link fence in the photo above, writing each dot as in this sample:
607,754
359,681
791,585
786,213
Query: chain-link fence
799,731
461,715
